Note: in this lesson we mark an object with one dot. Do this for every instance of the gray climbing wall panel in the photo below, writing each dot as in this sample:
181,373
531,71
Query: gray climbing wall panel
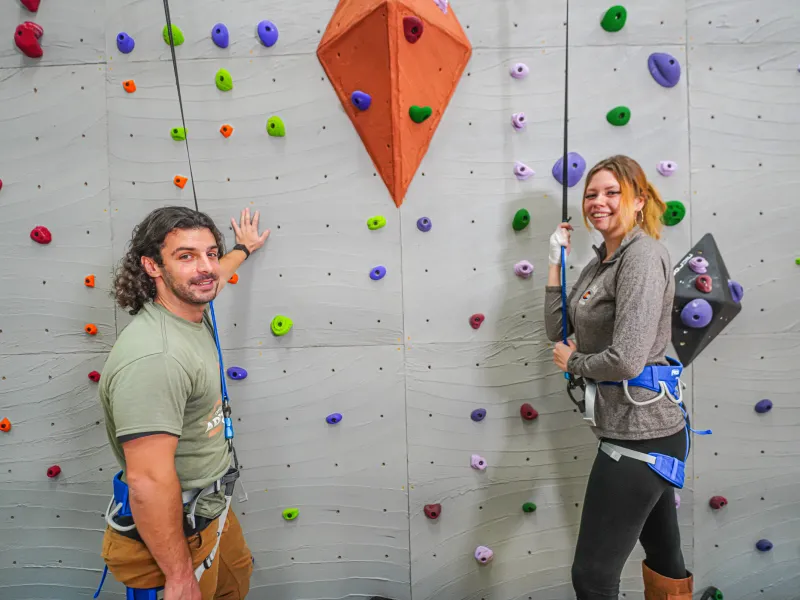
396,357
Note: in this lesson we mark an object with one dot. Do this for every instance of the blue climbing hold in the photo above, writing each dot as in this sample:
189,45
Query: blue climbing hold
219,33
764,545
334,418
424,224
736,289
576,166
478,414
125,43
267,33
361,100
763,406
664,68
236,373
377,273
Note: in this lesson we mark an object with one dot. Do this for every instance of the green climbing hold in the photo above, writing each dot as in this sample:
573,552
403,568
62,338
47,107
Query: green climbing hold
178,133
619,116
281,325
376,222
674,213
419,113
614,19
797,260
224,81
177,35
521,220
529,507
290,514
275,127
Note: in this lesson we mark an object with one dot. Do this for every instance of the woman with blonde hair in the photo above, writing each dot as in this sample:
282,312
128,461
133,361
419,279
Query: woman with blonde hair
620,310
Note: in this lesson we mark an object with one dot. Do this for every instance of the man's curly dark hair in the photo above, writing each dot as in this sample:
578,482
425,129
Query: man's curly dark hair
133,287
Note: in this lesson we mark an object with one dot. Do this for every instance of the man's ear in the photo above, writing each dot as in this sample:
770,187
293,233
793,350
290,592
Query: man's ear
150,267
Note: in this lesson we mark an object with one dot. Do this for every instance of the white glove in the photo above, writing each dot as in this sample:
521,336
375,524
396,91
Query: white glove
559,238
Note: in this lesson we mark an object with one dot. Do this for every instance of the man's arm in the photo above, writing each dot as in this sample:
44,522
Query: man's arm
246,233
155,499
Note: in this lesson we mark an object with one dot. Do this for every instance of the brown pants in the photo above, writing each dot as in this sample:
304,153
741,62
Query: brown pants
228,578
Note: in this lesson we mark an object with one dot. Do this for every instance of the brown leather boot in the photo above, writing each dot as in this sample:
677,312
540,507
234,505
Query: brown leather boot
658,587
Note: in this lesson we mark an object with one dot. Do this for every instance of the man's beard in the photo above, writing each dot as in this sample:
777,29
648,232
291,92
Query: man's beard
187,293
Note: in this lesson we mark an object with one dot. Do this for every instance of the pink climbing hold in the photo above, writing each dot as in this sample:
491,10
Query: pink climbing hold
442,4
31,5
53,471
519,71
477,462
476,320
41,235
518,121
523,269
523,171
667,167
483,554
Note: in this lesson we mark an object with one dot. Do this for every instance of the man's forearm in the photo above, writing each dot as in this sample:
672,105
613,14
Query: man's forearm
158,513
229,263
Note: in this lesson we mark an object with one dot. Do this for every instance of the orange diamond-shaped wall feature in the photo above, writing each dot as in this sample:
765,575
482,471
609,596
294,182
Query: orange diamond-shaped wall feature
368,48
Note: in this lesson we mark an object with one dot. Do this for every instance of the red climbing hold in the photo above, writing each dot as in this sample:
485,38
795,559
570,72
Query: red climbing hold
91,329
1,184
717,502
41,234
53,471
27,39
31,5
412,29
88,281
432,511
703,283
5,425
94,376
528,412
476,320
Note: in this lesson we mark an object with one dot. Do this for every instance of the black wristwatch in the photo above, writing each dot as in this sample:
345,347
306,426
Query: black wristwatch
244,249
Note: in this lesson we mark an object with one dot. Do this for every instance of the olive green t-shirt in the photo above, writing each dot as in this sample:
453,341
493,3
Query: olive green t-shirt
162,375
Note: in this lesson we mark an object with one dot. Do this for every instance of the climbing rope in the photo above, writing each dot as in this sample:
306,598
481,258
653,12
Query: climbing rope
564,187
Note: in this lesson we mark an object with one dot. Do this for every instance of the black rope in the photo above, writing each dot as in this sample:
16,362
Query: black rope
564,187
180,99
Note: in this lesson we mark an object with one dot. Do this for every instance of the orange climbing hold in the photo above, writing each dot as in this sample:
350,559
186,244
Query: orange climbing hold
226,130
91,329
89,281
234,279
5,425
129,85
365,53
180,181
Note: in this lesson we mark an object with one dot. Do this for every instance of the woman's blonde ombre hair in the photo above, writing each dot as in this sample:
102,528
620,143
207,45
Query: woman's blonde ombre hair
633,184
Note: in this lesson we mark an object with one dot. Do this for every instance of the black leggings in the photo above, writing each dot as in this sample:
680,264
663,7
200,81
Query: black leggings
625,501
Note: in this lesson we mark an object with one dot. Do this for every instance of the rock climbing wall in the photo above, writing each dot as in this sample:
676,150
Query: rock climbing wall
388,502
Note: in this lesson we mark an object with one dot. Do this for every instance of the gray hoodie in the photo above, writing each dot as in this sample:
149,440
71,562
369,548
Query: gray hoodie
620,311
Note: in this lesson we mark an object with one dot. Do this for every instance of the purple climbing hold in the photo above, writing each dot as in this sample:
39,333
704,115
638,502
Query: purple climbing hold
219,34
377,273
737,291
697,314
664,68
763,406
518,121
334,418
412,29
764,545
442,4
236,372
520,71
699,265
125,43
523,269
667,167
477,462
361,100
424,224
677,500
576,166
523,171
478,414
267,33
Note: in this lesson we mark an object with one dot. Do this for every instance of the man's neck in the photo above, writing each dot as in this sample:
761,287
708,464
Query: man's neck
187,312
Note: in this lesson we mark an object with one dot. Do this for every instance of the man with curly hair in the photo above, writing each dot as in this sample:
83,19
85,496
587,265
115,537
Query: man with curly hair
161,396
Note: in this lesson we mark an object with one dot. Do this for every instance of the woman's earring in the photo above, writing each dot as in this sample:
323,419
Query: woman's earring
640,221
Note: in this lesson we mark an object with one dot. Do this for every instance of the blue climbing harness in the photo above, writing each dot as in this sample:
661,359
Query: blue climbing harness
119,507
